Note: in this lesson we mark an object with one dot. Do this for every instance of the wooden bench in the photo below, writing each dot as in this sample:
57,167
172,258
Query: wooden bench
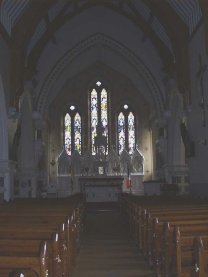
8,272
148,229
200,257
137,218
154,229
178,255
46,226
36,260
62,244
156,218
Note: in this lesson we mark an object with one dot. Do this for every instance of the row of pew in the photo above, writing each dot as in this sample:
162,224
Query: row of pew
171,232
40,237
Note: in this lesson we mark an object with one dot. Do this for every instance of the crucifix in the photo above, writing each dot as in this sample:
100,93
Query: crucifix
200,76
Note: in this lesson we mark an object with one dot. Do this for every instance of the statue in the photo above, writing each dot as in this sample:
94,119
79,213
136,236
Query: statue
87,163
113,162
64,163
137,161
101,150
125,162
100,142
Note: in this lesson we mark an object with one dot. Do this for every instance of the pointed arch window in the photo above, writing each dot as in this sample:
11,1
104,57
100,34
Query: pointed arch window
68,133
98,113
94,117
131,133
126,130
121,132
73,131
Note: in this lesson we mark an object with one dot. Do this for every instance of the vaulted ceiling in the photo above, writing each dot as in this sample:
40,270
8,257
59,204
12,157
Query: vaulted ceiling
29,25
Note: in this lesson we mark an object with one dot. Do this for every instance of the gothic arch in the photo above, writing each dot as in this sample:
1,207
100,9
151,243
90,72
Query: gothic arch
107,46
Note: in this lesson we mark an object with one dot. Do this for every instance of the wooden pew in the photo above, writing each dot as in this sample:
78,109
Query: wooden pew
17,273
60,245
32,227
138,217
179,257
36,260
156,231
200,257
152,224
184,214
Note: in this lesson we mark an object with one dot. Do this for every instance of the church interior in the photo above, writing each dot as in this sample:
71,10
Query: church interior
103,106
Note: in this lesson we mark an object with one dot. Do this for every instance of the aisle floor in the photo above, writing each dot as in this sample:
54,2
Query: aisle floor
107,251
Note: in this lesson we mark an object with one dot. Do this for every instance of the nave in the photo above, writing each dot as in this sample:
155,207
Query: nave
106,249
67,237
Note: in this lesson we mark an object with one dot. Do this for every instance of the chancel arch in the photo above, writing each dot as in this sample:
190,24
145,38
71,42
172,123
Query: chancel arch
136,53
101,49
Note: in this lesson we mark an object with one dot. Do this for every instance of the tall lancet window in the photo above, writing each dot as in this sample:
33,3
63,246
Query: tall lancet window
131,133
121,132
77,133
98,113
73,131
94,117
126,130
68,133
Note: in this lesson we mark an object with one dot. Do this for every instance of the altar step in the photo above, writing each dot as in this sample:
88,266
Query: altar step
106,250
102,206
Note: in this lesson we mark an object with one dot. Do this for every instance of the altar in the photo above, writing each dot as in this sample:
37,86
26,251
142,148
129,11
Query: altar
101,188
101,176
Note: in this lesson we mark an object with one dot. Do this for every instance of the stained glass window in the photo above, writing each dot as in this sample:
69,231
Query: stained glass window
99,113
126,130
77,133
94,117
121,132
131,133
104,111
68,133
73,131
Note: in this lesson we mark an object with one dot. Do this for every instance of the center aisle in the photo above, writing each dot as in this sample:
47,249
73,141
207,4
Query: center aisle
106,250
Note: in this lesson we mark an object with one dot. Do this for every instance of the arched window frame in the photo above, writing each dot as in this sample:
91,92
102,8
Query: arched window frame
98,86
126,112
74,133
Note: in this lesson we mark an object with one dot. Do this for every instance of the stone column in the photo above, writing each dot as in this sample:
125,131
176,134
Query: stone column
161,148
26,152
7,168
7,172
175,169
